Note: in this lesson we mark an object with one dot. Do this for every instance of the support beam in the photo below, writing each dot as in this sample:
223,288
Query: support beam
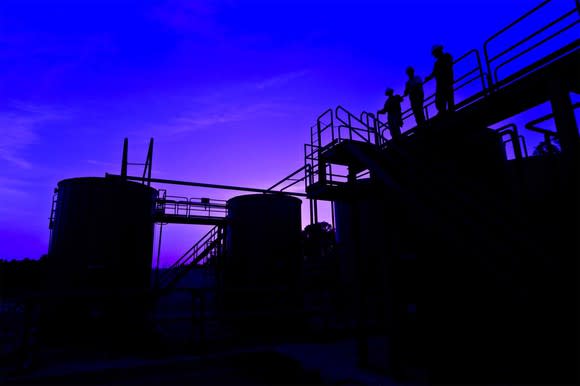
124,161
204,185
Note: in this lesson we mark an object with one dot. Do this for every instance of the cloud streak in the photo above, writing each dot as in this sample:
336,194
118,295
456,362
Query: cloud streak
190,17
18,126
237,103
280,80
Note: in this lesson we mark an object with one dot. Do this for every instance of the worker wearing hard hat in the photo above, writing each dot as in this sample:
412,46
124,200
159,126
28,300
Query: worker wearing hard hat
414,89
393,110
443,74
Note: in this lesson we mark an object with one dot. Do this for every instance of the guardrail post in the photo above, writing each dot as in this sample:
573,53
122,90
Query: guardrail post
564,118
124,161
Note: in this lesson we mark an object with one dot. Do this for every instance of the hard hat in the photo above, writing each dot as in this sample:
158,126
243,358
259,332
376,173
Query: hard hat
410,68
389,90
436,47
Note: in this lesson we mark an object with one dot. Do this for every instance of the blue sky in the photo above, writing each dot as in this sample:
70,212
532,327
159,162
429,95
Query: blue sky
227,88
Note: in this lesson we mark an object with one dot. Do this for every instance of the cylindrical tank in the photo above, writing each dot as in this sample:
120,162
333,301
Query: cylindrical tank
102,235
263,240
373,247
259,276
364,226
100,263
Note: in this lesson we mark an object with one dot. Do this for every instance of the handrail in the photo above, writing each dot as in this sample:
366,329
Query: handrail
512,130
177,205
319,129
532,47
377,125
529,37
350,130
490,82
479,66
351,117
289,178
489,60
430,100
198,249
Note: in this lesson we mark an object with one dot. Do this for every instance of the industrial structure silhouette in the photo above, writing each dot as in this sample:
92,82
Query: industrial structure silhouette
447,262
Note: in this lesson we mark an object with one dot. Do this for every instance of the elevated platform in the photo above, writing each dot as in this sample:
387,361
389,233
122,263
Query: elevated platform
193,212
191,220
459,138
339,152
519,92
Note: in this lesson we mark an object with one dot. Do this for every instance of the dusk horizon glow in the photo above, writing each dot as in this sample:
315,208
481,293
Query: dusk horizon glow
228,89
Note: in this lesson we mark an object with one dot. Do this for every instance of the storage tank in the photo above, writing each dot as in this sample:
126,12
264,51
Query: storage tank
102,234
263,239
376,264
260,273
99,264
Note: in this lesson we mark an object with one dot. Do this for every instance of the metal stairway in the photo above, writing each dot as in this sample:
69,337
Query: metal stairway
204,252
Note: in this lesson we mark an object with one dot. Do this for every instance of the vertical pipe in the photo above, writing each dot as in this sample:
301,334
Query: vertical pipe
315,211
516,144
362,347
565,119
150,161
124,159
332,215
158,255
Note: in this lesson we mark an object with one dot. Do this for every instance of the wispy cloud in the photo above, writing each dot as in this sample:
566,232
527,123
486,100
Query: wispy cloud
241,102
195,17
18,126
221,115
14,187
280,80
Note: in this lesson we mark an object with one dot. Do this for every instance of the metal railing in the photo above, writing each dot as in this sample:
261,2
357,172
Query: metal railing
189,207
518,141
492,77
473,74
369,128
356,128
332,127
201,253
290,180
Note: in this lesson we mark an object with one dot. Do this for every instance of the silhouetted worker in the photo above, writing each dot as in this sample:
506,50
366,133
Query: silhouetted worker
443,74
393,110
414,89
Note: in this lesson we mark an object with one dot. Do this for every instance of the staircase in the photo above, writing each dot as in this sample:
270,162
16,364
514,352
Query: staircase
202,253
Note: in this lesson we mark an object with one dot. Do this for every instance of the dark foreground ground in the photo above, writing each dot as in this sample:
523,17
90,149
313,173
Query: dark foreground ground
281,364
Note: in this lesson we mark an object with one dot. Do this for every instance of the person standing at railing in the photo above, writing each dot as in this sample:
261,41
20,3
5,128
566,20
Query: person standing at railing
443,74
414,89
393,110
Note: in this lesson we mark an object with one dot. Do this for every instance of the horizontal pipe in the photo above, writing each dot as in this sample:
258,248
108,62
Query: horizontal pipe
203,185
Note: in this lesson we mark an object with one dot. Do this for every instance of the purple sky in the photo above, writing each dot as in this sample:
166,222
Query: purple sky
228,89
